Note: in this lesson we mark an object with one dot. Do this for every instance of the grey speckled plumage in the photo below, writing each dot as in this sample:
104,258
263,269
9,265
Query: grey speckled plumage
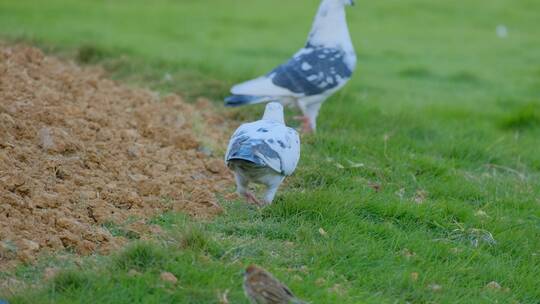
313,71
263,152
313,74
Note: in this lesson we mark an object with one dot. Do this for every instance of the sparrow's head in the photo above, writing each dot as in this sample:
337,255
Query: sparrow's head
252,268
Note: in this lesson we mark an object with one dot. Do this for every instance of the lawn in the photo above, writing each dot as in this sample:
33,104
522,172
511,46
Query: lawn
424,172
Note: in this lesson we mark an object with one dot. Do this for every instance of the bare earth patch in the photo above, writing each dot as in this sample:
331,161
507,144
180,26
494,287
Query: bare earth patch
79,152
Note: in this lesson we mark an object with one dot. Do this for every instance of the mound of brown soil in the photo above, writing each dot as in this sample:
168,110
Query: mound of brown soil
79,153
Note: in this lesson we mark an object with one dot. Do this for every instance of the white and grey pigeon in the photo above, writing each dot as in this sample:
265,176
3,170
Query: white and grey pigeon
263,152
314,73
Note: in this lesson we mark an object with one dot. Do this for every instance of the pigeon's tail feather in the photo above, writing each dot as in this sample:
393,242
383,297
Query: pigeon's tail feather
240,100
245,153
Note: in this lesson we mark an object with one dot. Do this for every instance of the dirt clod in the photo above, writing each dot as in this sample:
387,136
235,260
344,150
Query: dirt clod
80,153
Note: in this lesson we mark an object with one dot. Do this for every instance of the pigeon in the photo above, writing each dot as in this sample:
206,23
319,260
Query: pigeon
261,287
322,67
263,152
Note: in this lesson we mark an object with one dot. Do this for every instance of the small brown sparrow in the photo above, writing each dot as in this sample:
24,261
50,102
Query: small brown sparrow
261,287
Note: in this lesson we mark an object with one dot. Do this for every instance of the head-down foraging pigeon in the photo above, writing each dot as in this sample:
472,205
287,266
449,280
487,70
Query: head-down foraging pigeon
263,152
314,73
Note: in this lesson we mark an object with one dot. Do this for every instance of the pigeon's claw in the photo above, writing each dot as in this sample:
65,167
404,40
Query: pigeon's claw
252,199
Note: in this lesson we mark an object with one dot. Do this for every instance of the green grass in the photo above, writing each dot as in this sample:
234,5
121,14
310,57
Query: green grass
426,162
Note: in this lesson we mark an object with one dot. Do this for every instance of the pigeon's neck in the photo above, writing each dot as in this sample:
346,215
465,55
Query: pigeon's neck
330,27
274,116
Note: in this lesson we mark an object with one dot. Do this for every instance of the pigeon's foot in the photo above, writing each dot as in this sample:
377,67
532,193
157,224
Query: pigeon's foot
306,123
252,199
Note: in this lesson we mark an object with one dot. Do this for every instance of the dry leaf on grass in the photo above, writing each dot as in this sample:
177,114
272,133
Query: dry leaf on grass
493,285
222,297
168,277
435,287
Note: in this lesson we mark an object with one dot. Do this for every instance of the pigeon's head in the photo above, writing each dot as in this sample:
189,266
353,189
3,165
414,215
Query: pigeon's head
274,112
342,2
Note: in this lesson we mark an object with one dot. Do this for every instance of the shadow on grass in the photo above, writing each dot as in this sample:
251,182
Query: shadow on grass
141,256
69,281
525,117
88,54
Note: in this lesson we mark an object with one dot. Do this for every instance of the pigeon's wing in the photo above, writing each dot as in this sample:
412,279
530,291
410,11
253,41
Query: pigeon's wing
266,143
237,137
313,71
290,153
262,86
283,142
251,142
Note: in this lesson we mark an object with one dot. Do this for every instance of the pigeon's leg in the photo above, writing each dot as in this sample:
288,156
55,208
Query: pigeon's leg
312,111
306,123
241,184
252,199
272,187
310,108
242,189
